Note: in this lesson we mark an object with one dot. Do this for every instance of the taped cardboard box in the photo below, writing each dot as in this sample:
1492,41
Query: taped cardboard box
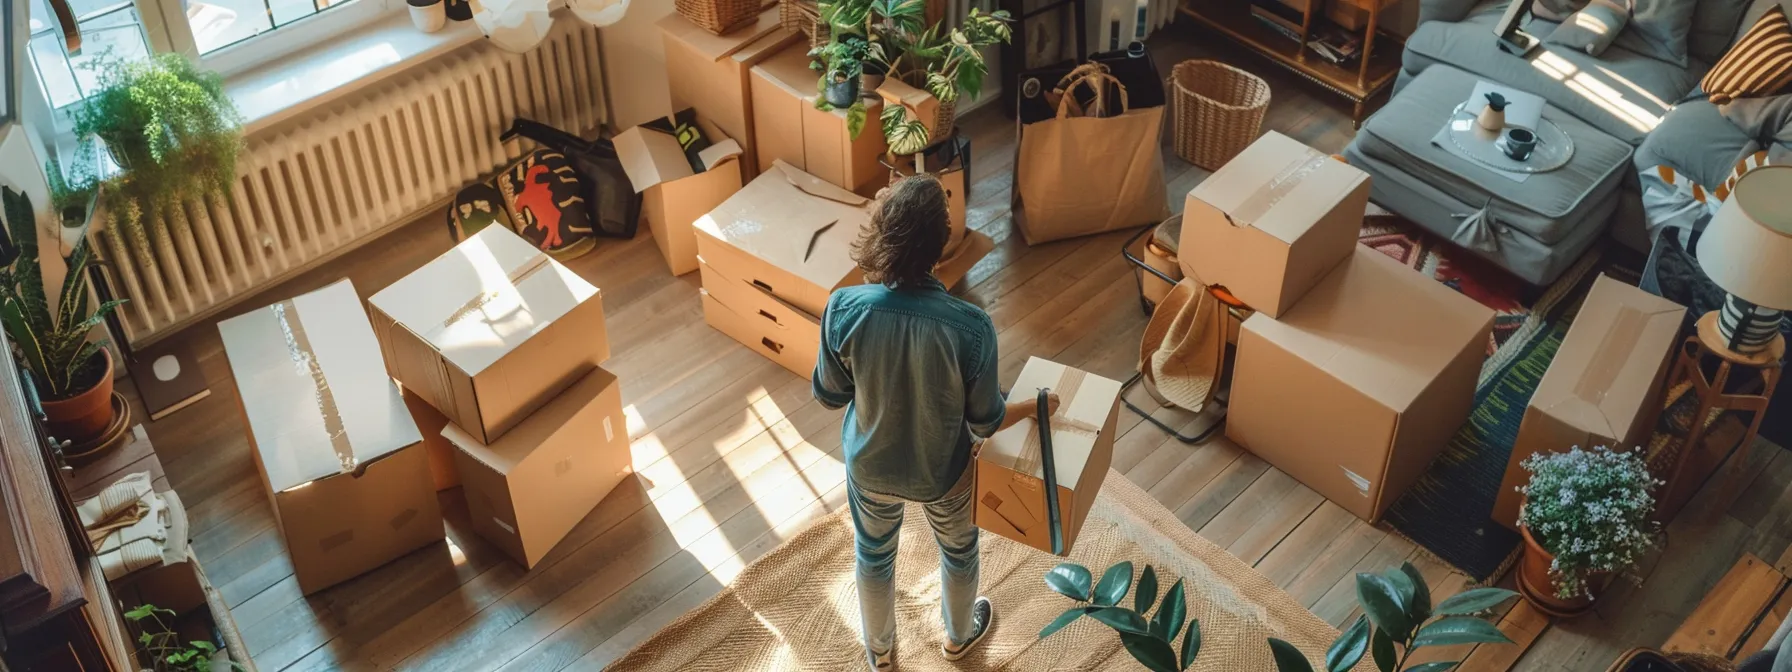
430,423
490,331
787,127
338,453
528,489
792,347
673,193
710,72
1356,389
788,233
1011,498
1272,221
1604,387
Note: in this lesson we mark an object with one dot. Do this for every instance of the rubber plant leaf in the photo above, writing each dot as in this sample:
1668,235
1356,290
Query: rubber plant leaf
1381,646
1381,601
1120,618
1069,616
1288,658
1474,601
1114,584
1146,594
1349,647
1191,643
1170,615
1460,630
1419,606
1151,652
1070,580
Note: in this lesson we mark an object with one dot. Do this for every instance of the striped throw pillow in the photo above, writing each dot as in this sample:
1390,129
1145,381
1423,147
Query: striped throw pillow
1759,64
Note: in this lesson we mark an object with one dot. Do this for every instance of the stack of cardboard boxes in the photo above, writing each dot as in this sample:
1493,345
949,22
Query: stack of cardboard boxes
1355,370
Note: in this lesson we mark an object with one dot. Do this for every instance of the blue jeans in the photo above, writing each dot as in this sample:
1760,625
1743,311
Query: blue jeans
877,524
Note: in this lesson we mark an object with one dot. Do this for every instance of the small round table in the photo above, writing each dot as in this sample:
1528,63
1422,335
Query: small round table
1739,383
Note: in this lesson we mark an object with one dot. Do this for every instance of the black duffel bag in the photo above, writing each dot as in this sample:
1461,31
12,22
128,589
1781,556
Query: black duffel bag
1132,66
615,207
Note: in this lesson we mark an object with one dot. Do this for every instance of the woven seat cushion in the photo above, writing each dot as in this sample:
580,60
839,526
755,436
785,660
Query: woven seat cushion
1548,206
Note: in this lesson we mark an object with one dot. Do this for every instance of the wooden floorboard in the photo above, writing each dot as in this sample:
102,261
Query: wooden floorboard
733,457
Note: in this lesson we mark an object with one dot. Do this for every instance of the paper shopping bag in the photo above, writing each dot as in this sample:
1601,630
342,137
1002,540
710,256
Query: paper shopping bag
1088,170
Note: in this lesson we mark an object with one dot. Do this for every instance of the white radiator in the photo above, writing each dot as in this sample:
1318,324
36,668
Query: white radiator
313,189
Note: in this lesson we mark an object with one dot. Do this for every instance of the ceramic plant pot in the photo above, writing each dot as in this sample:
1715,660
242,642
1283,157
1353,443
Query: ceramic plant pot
83,417
428,15
1538,587
841,93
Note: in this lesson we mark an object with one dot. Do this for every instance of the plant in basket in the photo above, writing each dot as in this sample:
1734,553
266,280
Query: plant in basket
841,62
1586,516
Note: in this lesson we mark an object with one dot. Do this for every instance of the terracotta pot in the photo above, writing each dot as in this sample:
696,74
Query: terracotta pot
1538,587
83,417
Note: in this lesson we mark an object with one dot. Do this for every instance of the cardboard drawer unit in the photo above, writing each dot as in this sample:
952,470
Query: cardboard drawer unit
787,126
1604,386
792,348
342,461
1272,221
673,194
490,331
788,233
1356,389
1011,499
528,489
710,72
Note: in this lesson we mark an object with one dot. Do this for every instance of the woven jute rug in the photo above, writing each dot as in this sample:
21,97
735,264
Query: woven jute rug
797,607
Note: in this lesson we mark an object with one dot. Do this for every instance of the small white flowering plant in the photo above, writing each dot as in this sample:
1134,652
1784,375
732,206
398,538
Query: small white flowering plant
1590,508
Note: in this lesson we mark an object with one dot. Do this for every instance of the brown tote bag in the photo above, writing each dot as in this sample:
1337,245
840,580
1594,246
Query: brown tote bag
1082,173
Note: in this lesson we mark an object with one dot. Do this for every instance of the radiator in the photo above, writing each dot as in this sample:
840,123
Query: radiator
312,189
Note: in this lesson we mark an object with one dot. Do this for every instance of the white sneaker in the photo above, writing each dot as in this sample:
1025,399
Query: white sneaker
983,615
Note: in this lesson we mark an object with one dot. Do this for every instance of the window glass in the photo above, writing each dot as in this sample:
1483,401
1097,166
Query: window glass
106,27
221,23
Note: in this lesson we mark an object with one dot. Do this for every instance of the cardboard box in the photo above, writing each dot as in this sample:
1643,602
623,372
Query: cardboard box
787,127
950,162
342,461
1604,387
958,262
1010,493
490,331
710,72
1272,221
430,423
1356,389
792,347
672,194
788,233
528,489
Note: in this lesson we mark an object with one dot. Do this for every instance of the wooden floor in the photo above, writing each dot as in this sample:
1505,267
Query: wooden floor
735,457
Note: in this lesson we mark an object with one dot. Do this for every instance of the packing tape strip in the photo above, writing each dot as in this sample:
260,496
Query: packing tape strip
1615,346
298,346
1069,382
1270,193
478,302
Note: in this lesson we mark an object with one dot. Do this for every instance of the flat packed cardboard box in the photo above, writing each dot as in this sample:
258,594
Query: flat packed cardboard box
788,233
1604,386
710,72
430,423
793,347
1272,221
1356,389
787,127
490,330
673,195
342,461
528,489
1010,493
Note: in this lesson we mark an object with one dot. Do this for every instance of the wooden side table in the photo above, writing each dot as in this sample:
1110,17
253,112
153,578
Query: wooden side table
1723,381
1372,74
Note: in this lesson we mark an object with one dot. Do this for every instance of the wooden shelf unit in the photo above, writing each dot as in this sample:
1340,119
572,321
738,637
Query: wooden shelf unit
1371,74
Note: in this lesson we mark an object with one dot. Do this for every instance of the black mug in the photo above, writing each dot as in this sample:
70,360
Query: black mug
1519,143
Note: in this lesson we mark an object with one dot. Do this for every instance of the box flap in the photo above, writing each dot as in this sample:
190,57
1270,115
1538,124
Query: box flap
794,221
789,70
1379,326
651,157
1278,186
1085,401
717,47
514,446
483,298
718,152
1604,370
314,388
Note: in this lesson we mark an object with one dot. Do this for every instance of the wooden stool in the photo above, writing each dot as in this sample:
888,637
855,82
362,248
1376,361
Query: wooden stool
1729,388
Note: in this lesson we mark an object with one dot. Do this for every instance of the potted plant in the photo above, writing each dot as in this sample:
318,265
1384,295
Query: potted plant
1149,640
926,68
71,373
160,645
1398,604
171,129
841,62
1586,515
72,191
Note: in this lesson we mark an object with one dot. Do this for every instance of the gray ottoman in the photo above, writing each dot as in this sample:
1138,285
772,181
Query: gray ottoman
1540,226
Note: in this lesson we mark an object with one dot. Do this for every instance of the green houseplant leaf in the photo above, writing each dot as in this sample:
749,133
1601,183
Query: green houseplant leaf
1349,647
1170,615
1146,594
1381,600
855,119
1114,584
1070,580
1151,652
1069,616
1459,630
1120,618
1474,601
1381,647
1439,666
1418,604
1191,644
1288,658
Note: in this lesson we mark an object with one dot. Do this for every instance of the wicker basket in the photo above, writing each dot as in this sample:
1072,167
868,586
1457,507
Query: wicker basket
945,120
719,17
1219,111
802,16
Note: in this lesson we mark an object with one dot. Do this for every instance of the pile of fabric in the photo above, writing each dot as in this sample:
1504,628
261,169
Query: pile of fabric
133,527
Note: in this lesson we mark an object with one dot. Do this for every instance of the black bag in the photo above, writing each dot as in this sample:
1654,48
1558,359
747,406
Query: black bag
614,206
1132,66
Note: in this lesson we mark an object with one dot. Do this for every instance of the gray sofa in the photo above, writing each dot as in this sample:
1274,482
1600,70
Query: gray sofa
1654,105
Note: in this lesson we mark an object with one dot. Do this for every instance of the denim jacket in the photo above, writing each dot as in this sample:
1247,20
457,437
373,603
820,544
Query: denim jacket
915,369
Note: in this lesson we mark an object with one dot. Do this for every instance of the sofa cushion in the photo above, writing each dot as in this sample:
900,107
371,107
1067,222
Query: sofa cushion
1696,140
1621,91
1714,27
1592,29
1759,65
1659,29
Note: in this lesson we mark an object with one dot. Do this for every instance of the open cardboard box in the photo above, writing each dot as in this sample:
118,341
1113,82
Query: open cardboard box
490,331
788,233
342,461
673,194
709,73
787,127
1272,221
1011,499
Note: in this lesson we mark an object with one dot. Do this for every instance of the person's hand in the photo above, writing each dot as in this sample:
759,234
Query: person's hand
1051,403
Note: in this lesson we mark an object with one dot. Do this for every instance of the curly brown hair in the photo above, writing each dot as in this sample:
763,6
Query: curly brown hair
909,228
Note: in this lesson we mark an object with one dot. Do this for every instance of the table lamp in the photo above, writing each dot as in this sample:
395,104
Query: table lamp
1747,251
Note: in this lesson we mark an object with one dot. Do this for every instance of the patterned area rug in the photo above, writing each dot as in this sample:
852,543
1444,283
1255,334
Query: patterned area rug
1447,511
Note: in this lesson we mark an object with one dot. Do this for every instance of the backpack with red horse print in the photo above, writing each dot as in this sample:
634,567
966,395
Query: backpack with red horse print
547,205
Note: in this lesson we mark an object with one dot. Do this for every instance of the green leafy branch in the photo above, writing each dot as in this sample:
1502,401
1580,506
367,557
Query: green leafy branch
1398,604
1150,641
162,646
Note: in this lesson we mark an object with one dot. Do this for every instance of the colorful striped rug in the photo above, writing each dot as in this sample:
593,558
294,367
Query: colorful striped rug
1447,511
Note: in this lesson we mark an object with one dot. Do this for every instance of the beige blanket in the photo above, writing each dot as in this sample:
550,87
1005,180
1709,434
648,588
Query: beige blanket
797,607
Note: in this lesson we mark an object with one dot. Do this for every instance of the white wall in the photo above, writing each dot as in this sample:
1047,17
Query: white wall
635,65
